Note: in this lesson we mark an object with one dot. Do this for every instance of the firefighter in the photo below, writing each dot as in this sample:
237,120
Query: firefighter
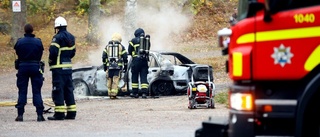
29,51
138,50
61,51
114,58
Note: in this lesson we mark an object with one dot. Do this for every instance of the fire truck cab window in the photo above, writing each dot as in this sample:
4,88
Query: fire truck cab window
282,5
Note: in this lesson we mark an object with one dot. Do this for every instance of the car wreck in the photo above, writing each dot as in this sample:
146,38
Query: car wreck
169,74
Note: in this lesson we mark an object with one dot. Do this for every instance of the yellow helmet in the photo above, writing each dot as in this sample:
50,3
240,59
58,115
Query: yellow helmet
116,37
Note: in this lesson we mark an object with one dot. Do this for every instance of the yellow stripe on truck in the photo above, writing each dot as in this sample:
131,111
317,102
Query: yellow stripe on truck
246,38
313,60
237,63
284,34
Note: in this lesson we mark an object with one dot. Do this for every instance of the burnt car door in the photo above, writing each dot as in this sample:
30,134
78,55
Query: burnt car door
153,68
101,81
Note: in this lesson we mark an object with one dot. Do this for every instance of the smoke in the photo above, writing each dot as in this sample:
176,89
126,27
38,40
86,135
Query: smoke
107,28
160,19
162,23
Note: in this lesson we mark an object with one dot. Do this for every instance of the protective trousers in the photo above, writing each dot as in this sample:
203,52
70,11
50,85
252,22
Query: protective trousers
139,68
62,93
113,81
29,71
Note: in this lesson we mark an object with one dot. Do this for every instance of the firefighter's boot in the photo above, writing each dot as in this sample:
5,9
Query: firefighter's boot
40,118
144,95
20,114
57,116
19,118
134,95
113,94
71,115
40,114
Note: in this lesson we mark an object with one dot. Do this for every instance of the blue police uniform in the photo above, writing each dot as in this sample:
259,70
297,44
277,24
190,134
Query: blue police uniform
61,51
29,51
139,66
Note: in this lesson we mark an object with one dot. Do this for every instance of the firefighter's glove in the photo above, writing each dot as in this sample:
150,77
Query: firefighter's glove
50,62
105,67
125,69
16,64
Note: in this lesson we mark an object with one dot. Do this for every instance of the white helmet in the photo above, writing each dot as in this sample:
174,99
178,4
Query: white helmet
60,21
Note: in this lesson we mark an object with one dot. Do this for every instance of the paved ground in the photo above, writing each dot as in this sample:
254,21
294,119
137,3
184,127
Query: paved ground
99,116
163,117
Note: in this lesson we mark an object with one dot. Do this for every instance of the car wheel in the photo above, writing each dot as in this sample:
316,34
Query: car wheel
192,103
163,88
80,88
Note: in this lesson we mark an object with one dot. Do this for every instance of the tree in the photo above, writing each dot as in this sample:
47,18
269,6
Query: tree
94,17
19,19
130,18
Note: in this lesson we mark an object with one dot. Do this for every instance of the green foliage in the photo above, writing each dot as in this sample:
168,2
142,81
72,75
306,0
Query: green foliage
197,5
5,4
83,7
41,11
222,97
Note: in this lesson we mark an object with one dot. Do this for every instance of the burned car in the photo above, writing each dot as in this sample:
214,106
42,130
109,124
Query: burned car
169,74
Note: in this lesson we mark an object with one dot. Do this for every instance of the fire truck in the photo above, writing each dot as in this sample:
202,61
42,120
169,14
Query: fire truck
274,63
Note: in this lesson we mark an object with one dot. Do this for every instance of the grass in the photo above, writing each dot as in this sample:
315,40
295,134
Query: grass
222,98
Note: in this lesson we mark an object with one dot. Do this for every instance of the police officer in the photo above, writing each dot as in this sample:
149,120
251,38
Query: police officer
114,58
139,65
61,51
29,51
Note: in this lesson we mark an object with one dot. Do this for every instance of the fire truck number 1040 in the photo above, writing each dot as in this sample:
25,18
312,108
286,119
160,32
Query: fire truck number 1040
308,18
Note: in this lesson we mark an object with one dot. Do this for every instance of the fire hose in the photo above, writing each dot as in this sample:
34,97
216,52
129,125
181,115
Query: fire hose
47,102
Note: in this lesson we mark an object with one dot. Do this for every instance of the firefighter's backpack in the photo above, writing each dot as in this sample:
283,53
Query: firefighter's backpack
114,49
143,50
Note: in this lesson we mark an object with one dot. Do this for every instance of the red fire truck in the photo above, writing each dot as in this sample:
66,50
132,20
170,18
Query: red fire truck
274,63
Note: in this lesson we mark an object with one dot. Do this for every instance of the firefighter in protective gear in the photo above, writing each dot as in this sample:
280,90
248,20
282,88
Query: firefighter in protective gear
139,53
29,51
114,58
61,51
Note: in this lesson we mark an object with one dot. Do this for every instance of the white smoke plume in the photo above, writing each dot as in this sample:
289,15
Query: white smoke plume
161,21
108,27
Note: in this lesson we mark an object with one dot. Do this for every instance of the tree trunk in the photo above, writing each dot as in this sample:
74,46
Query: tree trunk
130,18
19,19
94,17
